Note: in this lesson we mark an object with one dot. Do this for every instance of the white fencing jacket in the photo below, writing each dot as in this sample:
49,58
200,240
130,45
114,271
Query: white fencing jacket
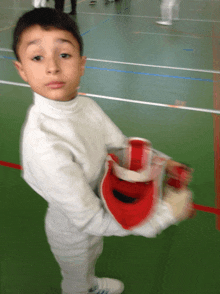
63,150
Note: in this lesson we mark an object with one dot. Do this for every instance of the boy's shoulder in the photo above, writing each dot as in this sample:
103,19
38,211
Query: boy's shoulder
90,103
87,100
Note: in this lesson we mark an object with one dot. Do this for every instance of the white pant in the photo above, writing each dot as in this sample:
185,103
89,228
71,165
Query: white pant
169,9
39,3
75,252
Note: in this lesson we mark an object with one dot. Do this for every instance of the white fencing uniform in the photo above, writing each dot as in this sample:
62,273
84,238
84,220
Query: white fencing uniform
169,9
64,147
39,3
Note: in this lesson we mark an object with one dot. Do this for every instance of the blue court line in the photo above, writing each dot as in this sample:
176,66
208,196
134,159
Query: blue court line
7,57
137,73
155,75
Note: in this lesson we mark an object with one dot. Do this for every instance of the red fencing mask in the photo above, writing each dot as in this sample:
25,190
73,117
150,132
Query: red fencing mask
131,185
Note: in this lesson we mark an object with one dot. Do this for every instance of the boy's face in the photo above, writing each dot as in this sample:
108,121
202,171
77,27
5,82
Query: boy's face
50,62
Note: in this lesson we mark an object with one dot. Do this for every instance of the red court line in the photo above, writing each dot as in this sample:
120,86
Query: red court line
216,119
8,164
196,206
207,209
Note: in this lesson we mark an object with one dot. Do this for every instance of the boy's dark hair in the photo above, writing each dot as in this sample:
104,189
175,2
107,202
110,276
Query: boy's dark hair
46,18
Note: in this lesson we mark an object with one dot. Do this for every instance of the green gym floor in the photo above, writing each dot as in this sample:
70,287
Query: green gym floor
129,57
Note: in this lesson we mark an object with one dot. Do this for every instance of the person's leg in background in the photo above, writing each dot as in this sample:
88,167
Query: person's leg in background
36,3
73,4
59,5
166,9
43,3
39,3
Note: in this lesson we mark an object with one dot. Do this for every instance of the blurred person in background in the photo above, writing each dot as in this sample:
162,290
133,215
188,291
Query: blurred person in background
169,11
59,5
39,3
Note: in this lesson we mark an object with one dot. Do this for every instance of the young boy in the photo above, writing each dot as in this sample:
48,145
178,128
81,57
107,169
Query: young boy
64,145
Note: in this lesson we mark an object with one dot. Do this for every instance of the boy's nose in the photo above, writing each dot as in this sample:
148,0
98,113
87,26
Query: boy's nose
52,66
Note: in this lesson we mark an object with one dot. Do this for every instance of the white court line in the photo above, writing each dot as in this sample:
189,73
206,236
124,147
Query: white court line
5,49
145,16
157,66
152,103
6,28
128,100
14,84
185,36
142,64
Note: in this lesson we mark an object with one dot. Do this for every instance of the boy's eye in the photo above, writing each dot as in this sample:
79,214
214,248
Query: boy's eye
37,58
65,55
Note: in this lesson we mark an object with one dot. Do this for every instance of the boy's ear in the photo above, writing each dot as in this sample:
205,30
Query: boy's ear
83,63
20,70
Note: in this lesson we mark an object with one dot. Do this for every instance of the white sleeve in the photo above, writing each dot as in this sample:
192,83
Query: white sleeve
162,219
61,182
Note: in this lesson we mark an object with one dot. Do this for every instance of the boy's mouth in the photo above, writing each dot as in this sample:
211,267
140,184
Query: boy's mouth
55,85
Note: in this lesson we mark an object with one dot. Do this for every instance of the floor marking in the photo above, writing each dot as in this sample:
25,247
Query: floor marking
6,28
143,73
151,103
125,15
14,84
207,209
157,66
150,74
5,49
154,17
128,100
184,34
12,165
7,57
142,64
170,35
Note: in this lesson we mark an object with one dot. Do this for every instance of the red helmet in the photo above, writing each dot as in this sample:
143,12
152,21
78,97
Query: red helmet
131,186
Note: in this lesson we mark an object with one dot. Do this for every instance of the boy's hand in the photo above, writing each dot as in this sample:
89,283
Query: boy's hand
178,177
173,168
180,202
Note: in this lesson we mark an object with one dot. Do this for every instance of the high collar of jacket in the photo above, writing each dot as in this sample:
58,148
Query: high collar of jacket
56,108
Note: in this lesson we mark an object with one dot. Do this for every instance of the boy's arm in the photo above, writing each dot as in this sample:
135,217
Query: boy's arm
62,184
164,217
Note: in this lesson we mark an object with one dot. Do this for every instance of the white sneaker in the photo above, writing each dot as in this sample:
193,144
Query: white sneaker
164,23
107,286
